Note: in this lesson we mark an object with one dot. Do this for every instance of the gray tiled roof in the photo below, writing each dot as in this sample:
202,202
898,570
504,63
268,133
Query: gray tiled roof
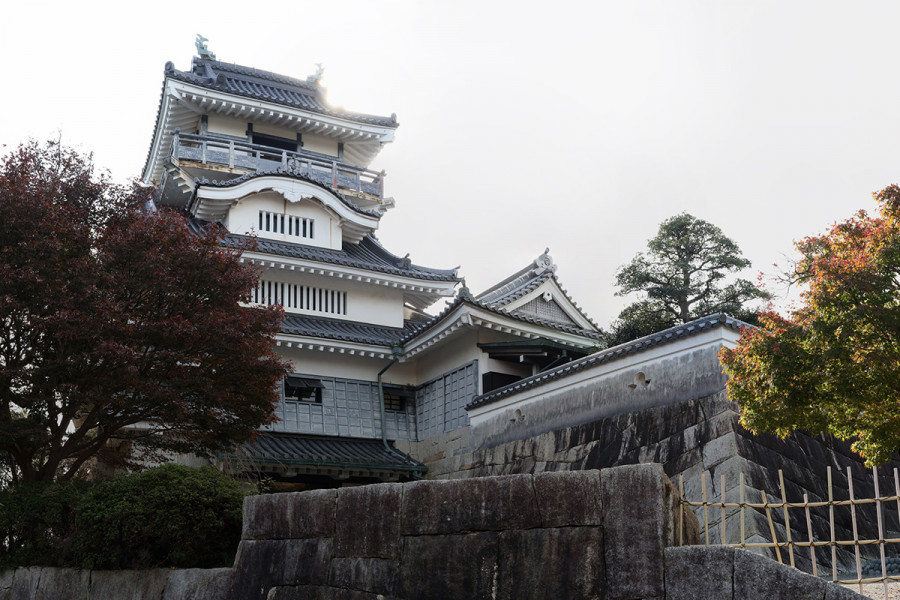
347,331
350,453
464,297
666,336
264,85
524,282
368,254
312,177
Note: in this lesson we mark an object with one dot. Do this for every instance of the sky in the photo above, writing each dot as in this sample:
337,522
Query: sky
573,126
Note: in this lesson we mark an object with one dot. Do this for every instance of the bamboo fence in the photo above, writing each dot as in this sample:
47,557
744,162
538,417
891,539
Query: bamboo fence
791,545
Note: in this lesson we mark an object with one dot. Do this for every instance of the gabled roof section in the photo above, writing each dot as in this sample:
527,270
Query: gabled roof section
661,338
535,292
313,177
464,299
257,84
368,254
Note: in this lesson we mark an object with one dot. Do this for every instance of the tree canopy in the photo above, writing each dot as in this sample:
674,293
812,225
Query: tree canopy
118,324
832,365
683,276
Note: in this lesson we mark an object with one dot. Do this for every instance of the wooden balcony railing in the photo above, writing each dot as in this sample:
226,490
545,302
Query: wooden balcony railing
236,154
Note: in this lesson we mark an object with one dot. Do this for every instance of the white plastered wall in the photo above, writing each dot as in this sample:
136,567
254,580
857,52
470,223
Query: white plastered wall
226,126
322,145
243,217
334,364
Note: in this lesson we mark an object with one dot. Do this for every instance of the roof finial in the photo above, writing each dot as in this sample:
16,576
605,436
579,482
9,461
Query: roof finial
317,76
464,292
202,49
544,263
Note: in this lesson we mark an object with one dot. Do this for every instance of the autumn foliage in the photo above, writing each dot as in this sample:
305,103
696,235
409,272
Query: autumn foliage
833,365
117,324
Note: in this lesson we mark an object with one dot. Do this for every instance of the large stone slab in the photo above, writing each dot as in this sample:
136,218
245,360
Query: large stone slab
552,563
262,564
482,504
569,498
759,578
367,521
198,584
637,529
24,583
291,515
449,567
71,584
374,575
699,573
128,585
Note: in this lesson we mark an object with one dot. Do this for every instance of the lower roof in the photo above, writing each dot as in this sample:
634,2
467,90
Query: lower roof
290,449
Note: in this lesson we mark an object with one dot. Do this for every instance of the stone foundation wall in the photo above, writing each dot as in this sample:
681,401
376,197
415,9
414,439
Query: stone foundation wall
608,534
689,439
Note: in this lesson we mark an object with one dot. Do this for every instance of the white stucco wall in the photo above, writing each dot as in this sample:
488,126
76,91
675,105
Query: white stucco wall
243,217
226,126
322,145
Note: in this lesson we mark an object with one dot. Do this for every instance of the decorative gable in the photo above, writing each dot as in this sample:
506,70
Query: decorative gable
546,308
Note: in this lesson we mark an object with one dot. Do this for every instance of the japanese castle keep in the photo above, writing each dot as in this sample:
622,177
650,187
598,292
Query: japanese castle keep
265,155
508,381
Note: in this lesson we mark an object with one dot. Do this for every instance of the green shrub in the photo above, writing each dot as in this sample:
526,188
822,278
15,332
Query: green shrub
37,523
168,516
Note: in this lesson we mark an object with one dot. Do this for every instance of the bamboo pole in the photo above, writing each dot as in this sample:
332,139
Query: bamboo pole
681,512
705,508
880,530
834,576
724,537
787,520
771,526
855,532
743,529
812,548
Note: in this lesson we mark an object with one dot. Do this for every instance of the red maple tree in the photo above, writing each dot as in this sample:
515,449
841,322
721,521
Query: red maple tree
117,323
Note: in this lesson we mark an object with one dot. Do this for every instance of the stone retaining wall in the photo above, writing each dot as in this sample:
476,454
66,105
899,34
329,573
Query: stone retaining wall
607,534
689,439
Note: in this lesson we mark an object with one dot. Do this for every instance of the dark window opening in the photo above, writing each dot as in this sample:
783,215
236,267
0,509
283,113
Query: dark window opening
396,398
492,380
303,389
275,142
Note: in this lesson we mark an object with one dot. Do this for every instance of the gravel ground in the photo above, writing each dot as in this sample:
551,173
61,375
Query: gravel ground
876,590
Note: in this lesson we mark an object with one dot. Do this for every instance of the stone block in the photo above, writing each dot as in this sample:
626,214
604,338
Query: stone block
24,583
71,584
291,515
636,530
551,563
759,578
368,521
375,575
449,567
129,585
481,504
569,498
699,573
6,581
719,450
198,584
262,564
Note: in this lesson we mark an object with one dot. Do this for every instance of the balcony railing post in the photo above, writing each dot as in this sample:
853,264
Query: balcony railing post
203,151
334,175
230,154
283,158
176,143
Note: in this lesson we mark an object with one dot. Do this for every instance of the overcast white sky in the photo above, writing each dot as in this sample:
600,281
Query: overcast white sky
574,125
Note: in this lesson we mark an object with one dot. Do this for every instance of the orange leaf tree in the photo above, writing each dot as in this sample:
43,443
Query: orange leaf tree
118,324
832,365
